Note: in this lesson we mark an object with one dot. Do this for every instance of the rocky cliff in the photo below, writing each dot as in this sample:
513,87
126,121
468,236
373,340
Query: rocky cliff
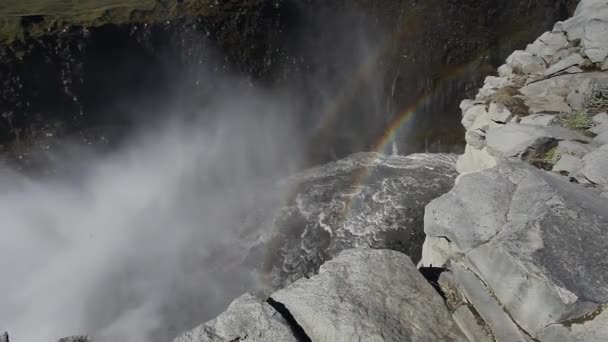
67,69
516,250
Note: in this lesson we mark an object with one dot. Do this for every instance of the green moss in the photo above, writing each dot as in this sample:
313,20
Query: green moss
578,120
552,156
597,101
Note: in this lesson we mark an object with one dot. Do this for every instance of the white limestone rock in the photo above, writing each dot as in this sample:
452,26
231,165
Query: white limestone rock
474,160
574,148
534,241
246,319
564,84
471,114
513,140
526,63
568,62
499,113
369,295
595,40
568,163
595,166
553,104
537,119
548,45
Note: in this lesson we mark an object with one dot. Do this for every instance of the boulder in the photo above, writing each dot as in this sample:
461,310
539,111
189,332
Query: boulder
4,337
365,200
568,163
600,123
505,71
369,295
476,138
595,166
553,104
570,61
595,40
537,119
515,140
548,45
574,148
564,84
499,113
532,240
246,319
526,63
474,160
471,114
601,138
587,10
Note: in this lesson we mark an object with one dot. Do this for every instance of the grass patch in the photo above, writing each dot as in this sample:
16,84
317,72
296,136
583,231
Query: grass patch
507,96
597,101
577,120
24,18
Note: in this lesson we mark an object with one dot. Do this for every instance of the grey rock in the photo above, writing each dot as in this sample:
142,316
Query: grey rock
465,105
586,11
505,71
575,100
568,163
476,139
4,337
369,295
605,65
246,319
526,63
601,123
595,166
570,61
499,113
564,84
471,114
513,140
548,45
365,200
547,104
593,329
536,241
574,148
601,139
595,40
474,160
468,323
537,119
474,291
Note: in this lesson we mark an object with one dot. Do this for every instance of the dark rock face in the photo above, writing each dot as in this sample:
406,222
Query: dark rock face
411,56
366,200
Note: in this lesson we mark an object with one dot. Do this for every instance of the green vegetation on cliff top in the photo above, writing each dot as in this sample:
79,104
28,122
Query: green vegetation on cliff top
52,15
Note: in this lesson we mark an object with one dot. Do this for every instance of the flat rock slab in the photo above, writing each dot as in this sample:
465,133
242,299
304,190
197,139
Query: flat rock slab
246,319
538,242
512,139
366,200
369,295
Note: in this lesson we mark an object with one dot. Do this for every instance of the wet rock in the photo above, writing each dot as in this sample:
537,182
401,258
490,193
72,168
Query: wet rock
246,319
366,200
476,139
532,240
369,295
471,114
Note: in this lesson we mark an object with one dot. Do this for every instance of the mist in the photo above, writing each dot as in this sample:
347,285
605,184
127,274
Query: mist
155,237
